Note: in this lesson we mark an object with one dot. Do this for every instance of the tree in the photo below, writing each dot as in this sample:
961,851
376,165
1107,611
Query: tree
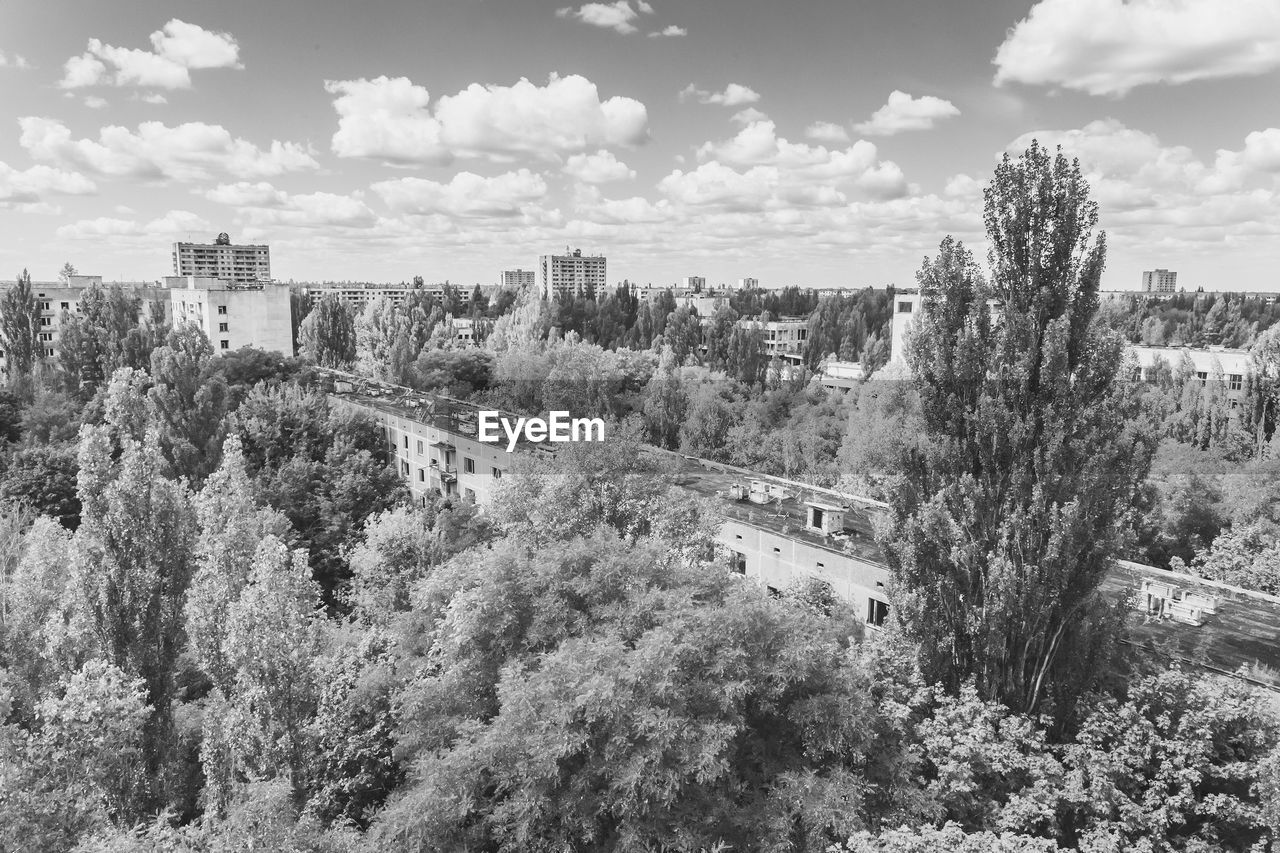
65,274
20,330
328,334
42,477
1005,525
188,402
133,559
605,695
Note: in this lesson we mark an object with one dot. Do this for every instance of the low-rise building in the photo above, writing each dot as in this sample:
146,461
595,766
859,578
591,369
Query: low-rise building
776,531
783,338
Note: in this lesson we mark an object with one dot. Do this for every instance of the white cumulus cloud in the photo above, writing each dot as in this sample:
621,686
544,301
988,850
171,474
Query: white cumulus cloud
1107,47
598,168
734,95
13,60
670,31
156,151
30,186
391,119
173,223
610,16
902,112
177,49
465,195
826,131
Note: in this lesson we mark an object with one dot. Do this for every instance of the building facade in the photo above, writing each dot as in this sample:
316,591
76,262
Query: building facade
775,531
357,296
518,279
572,274
240,264
748,283
785,337
1159,281
233,316
695,283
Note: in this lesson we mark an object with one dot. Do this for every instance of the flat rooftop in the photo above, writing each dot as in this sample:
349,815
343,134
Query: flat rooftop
1244,633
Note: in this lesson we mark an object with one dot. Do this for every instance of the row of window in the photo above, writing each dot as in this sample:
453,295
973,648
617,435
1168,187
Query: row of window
877,610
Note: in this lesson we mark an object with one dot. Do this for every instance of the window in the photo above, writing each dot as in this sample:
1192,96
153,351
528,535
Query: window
46,336
737,563
222,309
877,612
406,442
904,307
468,464
1203,376
66,306
497,473
225,344
48,353
222,327
1235,381
422,475
45,306
46,321
404,468
419,447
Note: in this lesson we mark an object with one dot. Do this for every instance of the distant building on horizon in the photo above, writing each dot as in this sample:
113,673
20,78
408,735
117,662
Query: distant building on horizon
518,279
695,283
748,283
238,264
572,273
1159,281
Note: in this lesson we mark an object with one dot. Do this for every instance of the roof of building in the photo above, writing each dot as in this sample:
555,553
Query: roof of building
1243,633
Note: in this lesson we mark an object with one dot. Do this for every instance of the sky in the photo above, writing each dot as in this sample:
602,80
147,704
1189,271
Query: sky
819,143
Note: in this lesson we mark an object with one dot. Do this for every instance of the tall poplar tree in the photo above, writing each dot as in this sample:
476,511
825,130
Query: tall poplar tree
328,334
20,329
1006,522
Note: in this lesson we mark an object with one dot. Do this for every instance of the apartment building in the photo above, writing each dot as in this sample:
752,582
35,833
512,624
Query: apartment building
58,300
695,283
572,274
233,316
784,338
358,295
237,263
1160,281
748,283
518,279
775,531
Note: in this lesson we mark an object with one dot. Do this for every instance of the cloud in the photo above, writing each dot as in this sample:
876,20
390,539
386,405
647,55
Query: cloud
1150,192
177,49
262,205
734,95
757,170
13,60
748,116
598,168
825,131
93,102
671,31
466,194
390,119
1108,47
30,186
758,144
154,98
173,223
903,112
155,151
610,16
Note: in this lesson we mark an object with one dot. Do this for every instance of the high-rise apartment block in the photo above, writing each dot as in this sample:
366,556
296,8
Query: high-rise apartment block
1159,281
519,279
248,264
748,283
572,273
695,283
